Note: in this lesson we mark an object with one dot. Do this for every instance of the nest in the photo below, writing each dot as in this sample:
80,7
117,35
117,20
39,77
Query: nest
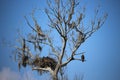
45,62
41,62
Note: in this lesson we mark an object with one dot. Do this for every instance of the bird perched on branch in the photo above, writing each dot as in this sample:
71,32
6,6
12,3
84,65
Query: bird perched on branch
82,58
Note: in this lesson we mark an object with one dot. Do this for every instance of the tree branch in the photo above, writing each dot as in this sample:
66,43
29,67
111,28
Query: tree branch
29,24
53,49
63,49
44,69
78,43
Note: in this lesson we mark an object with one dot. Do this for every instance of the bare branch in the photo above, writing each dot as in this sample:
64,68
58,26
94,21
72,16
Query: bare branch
44,69
53,24
53,48
73,53
29,24
71,11
63,49
94,28
38,27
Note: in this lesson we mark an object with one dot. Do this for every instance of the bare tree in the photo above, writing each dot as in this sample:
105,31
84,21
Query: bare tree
66,21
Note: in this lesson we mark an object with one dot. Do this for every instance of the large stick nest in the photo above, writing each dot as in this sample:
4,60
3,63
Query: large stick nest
40,62
44,62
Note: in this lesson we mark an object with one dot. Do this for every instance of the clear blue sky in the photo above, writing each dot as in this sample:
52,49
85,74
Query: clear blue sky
102,49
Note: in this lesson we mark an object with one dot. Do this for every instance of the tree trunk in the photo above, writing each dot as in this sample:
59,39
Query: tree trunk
55,77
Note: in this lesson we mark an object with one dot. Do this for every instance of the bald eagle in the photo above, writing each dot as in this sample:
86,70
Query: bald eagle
82,58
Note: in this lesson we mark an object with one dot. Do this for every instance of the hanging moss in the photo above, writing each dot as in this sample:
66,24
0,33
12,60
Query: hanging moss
24,61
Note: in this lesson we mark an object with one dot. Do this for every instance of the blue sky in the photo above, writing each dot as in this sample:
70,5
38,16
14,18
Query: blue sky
102,49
